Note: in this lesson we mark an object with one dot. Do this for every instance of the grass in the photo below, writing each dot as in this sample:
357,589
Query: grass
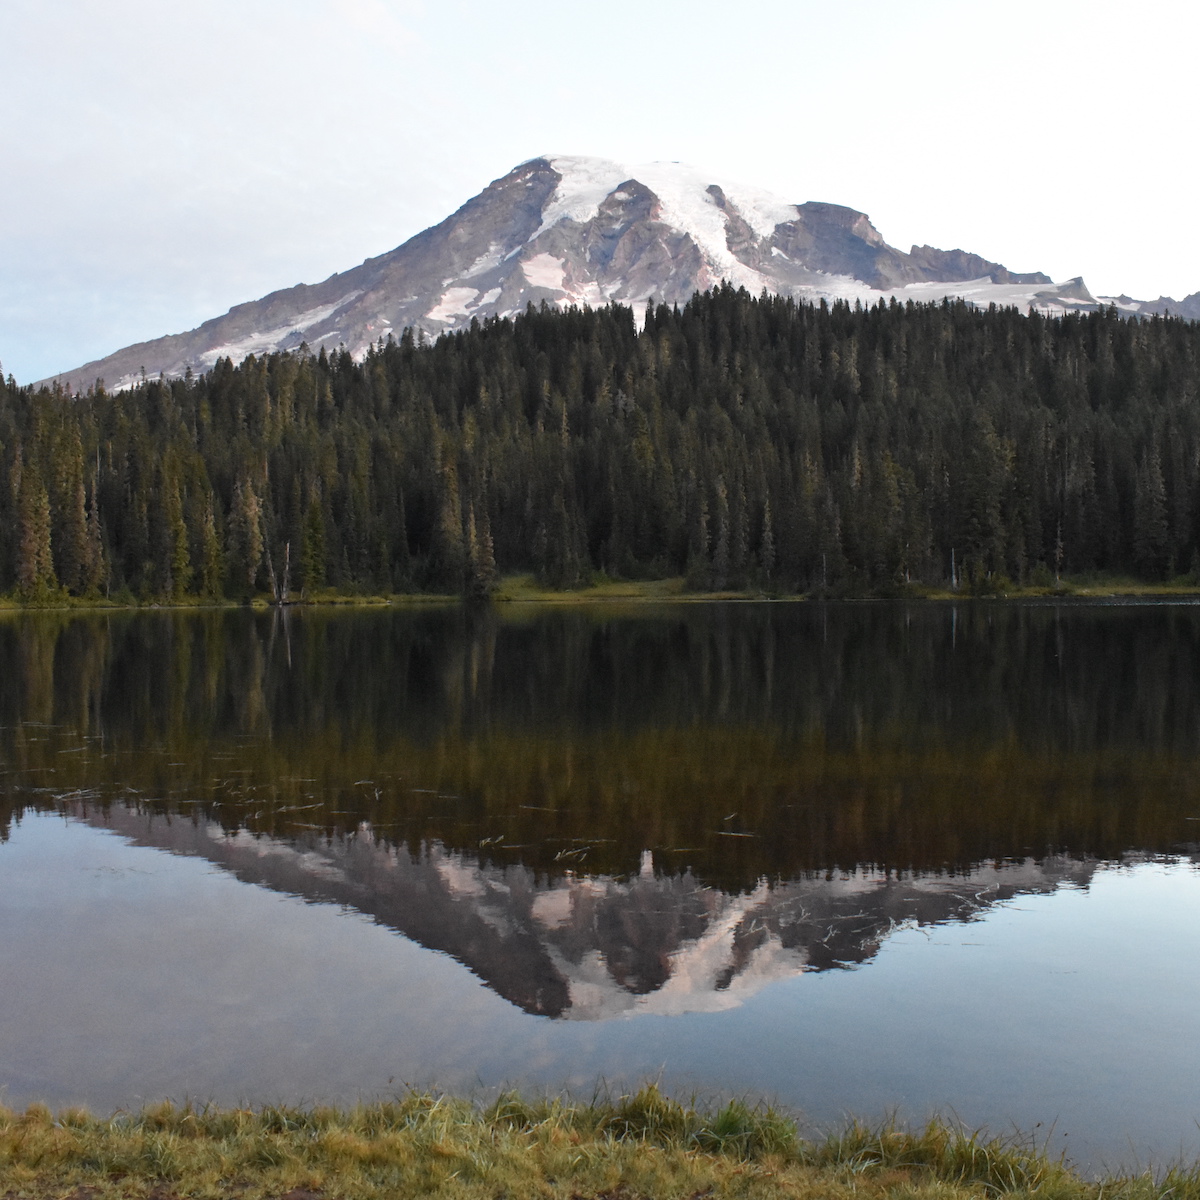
643,1145
326,597
525,589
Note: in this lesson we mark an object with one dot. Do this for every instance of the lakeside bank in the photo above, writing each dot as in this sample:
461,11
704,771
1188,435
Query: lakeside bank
644,1145
525,589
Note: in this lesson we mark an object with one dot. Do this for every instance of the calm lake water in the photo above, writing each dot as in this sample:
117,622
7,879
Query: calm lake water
855,858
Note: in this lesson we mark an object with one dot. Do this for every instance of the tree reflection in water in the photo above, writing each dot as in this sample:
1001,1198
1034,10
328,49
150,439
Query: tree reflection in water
605,811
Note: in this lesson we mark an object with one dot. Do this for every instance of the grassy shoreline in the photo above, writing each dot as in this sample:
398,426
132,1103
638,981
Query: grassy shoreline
524,589
633,1147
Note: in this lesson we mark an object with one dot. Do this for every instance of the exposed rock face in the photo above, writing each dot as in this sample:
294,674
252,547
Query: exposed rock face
568,230
1188,307
958,264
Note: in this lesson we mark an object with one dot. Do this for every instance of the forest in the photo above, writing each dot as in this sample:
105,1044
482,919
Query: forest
742,442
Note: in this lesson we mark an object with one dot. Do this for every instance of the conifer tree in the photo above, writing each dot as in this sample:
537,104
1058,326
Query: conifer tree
212,566
245,538
1150,530
766,544
35,560
312,555
448,553
95,576
69,511
721,540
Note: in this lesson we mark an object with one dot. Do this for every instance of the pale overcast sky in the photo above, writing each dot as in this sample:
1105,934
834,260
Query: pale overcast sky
163,160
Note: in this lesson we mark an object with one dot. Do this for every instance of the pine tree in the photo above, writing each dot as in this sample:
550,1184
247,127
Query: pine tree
245,538
212,566
179,560
721,546
35,561
766,544
699,562
312,553
481,555
448,553
1150,529
740,521
95,576
69,512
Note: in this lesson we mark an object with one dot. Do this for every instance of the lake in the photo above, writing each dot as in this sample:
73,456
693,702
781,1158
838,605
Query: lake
853,858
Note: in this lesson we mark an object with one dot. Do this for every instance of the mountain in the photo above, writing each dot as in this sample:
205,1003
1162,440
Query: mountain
570,230
1188,307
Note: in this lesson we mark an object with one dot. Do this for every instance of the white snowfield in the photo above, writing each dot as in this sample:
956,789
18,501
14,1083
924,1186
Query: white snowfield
266,341
1048,298
454,302
544,271
687,206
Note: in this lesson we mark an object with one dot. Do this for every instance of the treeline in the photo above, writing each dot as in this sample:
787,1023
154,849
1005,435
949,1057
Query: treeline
742,442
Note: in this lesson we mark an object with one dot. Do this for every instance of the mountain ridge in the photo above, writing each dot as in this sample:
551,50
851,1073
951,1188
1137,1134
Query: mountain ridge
568,230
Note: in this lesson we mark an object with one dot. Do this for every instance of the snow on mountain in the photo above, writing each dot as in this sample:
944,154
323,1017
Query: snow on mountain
686,204
1188,307
566,230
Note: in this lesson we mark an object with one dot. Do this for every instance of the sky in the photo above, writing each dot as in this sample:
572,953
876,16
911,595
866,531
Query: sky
163,160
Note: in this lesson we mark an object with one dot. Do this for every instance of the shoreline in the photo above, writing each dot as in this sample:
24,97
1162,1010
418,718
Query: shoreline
523,589
644,1145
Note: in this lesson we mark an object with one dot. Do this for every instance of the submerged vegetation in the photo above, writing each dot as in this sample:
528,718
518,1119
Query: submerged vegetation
741,443
635,1146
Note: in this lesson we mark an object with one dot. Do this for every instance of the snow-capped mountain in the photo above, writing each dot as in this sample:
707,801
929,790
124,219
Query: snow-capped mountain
570,230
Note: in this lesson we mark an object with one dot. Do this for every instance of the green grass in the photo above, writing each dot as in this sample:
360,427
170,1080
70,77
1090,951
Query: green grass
634,1146
60,599
525,589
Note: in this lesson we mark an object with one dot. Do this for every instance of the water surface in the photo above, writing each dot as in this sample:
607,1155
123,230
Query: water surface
851,857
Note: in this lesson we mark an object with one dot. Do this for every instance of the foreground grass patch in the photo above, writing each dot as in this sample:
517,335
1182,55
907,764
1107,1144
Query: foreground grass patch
644,1145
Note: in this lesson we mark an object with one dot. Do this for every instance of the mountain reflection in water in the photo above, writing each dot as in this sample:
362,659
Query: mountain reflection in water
596,947
605,812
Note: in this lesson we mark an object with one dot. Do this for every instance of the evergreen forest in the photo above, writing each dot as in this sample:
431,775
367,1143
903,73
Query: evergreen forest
742,442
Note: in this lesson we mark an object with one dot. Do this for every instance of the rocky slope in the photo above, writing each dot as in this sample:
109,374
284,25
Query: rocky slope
570,230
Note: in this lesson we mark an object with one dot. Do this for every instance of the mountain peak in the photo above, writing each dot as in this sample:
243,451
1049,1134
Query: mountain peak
570,229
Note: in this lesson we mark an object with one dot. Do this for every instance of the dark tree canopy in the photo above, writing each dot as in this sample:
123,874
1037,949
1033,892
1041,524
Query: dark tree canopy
741,442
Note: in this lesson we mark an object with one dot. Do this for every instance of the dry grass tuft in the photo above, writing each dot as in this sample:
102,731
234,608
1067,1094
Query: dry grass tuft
644,1145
